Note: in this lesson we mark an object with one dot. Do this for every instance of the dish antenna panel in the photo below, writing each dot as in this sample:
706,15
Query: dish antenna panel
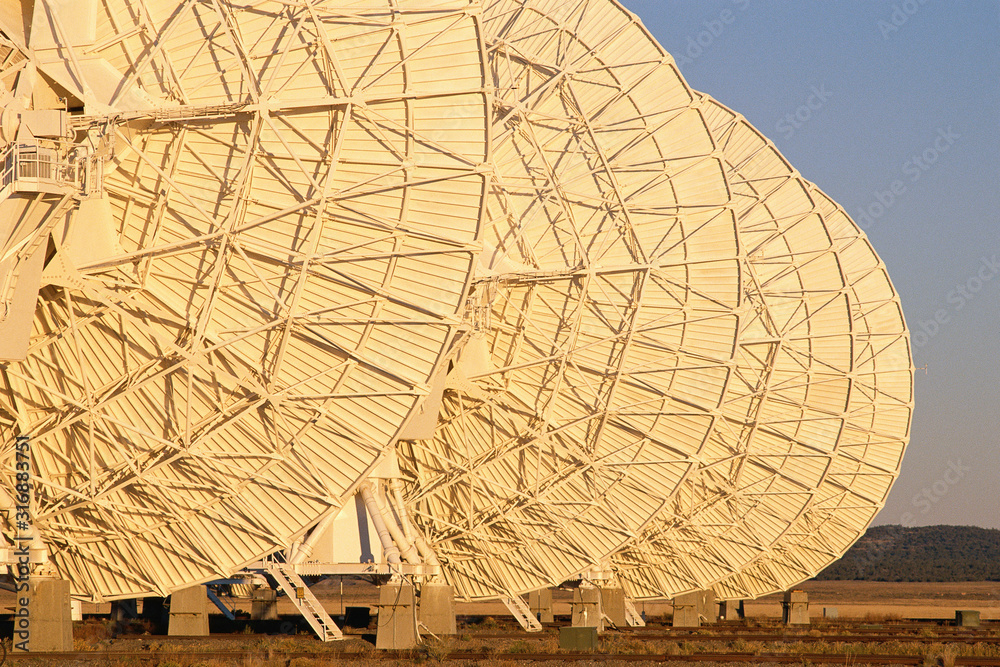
875,434
251,231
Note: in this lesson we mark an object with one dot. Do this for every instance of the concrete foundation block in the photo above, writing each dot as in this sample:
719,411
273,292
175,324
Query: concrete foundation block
188,613
795,608
437,609
397,617
264,606
731,610
686,610
44,620
830,612
540,603
587,608
967,618
613,606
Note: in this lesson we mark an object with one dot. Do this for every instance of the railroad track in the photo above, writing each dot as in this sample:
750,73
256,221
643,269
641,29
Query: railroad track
806,639
946,638
418,656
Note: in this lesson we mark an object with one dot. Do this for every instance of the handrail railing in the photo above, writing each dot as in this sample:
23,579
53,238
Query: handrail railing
7,162
24,166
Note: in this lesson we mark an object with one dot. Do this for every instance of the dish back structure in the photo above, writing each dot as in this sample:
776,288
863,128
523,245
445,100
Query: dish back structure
253,249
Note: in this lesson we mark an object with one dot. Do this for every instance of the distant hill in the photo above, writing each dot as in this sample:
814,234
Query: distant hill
931,553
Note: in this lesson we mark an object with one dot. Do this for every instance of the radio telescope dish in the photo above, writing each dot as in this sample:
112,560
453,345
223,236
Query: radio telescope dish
236,320
606,308
847,501
835,395
870,453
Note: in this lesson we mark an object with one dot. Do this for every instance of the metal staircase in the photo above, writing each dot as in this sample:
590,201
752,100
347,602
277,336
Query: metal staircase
307,604
632,615
522,612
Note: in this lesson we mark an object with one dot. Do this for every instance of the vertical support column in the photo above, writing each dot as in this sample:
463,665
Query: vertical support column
540,603
43,620
795,608
437,609
189,613
397,617
587,608
686,610
613,606
264,606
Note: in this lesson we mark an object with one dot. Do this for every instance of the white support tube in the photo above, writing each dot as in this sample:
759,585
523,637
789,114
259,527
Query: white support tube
396,486
422,546
305,548
409,553
427,552
293,550
388,548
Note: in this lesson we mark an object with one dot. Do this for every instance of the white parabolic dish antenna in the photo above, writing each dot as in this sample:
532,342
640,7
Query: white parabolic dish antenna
877,418
237,319
834,385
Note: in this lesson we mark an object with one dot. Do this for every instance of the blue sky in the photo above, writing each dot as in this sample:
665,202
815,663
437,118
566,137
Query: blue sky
904,132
